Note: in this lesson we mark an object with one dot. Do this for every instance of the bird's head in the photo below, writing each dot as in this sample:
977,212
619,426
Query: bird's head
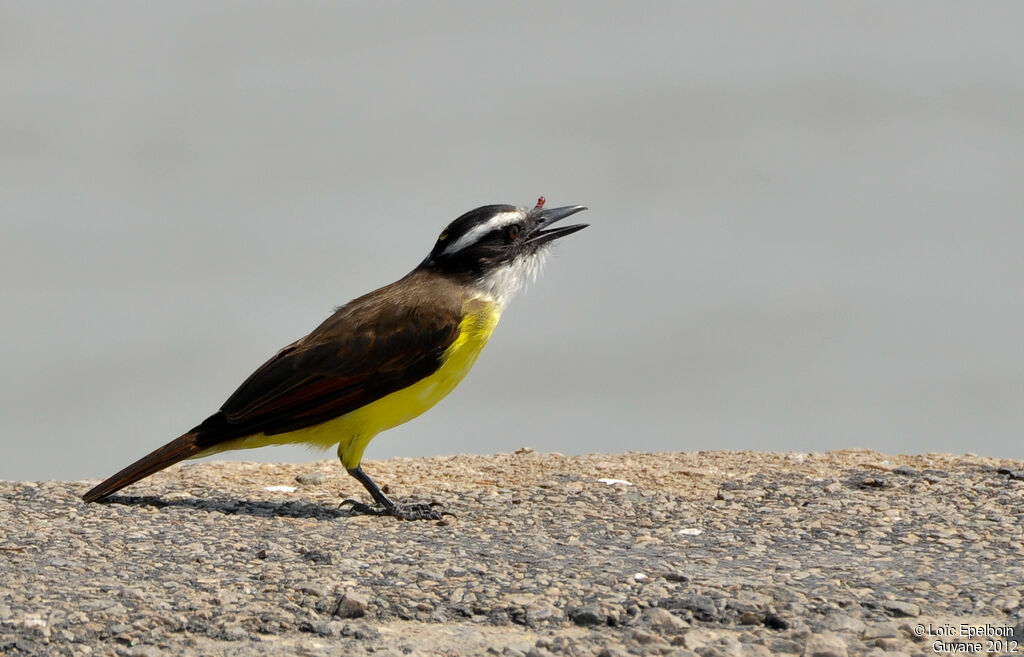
500,247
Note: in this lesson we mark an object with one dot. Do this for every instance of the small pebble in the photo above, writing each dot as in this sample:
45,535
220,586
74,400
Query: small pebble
352,605
825,644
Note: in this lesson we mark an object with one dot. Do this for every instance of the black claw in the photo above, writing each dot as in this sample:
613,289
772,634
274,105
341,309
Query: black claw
357,508
418,511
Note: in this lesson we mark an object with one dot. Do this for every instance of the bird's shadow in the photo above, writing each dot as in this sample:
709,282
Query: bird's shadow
234,507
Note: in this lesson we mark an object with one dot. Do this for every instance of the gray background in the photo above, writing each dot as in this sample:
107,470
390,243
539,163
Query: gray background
807,218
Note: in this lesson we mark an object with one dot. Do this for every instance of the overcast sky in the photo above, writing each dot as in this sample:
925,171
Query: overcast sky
806,218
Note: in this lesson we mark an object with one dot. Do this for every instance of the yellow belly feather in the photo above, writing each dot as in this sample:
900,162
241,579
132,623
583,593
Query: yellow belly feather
353,431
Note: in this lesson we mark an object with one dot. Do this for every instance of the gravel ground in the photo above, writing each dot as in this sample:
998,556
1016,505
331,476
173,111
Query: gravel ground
709,553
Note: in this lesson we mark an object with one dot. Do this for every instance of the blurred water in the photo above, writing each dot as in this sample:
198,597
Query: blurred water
807,217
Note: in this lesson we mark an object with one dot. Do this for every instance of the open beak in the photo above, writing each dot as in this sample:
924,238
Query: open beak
545,218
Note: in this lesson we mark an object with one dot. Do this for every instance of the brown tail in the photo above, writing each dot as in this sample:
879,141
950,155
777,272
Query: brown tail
177,450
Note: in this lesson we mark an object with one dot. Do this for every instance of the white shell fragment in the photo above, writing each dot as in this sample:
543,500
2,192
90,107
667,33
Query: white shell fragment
281,489
691,531
613,482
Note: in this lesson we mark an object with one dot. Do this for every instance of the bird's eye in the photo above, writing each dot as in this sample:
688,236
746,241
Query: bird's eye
512,231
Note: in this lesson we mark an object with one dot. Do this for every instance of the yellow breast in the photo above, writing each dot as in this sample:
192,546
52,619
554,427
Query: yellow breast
353,431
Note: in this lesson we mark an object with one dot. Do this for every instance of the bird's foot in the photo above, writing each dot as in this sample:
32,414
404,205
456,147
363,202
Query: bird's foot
418,511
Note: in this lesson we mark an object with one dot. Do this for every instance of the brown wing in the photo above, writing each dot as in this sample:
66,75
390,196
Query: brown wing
371,347
354,358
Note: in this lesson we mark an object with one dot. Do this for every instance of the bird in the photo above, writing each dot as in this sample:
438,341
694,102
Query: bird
381,359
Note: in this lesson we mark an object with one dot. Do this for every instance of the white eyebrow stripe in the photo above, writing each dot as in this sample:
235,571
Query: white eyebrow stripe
473,235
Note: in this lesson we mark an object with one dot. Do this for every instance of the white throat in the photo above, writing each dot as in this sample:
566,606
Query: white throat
506,281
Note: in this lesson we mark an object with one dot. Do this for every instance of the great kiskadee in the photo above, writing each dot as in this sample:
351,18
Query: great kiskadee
381,359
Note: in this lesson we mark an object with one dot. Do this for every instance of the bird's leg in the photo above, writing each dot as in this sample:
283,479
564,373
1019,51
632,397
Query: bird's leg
384,506
378,495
